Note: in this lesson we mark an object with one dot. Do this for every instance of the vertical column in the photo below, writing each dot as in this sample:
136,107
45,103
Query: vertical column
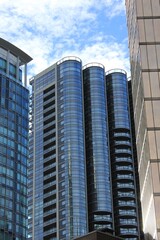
121,154
17,69
25,75
8,56
97,157
71,154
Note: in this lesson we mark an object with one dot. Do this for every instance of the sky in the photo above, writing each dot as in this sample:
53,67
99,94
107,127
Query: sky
48,30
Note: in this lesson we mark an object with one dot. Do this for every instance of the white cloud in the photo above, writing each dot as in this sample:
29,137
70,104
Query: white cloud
50,29
115,7
111,54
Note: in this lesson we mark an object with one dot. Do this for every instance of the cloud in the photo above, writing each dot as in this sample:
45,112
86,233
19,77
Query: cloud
114,8
111,54
48,30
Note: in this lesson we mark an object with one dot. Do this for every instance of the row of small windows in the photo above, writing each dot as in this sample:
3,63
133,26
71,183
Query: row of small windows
12,69
10,173
44,80
13,87
10,143
13,126
7,132
10,227
11,96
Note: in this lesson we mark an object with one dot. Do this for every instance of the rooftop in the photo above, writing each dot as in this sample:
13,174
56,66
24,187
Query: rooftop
24,58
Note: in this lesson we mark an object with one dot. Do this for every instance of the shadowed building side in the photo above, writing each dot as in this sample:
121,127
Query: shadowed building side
121,155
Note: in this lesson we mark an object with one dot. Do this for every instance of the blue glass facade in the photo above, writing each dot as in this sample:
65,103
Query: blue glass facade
57,171
42,186
97,155
122,162
81,166
14,100
71,154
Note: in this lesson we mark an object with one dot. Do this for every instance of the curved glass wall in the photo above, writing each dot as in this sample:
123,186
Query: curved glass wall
97,157
71,154
122,162
13,159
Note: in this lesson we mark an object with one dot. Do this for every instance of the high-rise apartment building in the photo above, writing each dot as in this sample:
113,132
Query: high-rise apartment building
143,18
14,101
57,187
73,187
121,156
96,145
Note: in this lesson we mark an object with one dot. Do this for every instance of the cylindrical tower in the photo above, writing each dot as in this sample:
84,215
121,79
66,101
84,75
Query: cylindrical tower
71,153
121,155
97,157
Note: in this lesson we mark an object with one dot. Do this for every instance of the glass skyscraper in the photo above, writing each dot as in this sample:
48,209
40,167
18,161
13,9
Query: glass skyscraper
97,154
121,156
57,188
81,166
13,142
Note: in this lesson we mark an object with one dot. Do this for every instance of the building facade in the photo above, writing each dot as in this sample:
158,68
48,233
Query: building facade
143,18
96,145
14,99
57,188
121,156
71,187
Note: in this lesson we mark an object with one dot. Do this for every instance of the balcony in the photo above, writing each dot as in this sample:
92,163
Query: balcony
124,177
52,131
52,123
50,184
123,160
50,175
126,204
128,222
126,168
102,218
125,195
49,109
49,222
50,166
50,231
128,213
123,151
49,158
49,203
124,186
122,143
49,212
49,100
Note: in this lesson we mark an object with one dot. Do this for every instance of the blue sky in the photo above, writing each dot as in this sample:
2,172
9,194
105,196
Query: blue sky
49,30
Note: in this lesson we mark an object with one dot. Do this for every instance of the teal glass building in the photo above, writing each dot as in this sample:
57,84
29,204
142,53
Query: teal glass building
13,142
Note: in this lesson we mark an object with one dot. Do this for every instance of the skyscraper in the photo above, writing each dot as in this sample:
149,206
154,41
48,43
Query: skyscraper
97,154
143,18
121,156
13,142
57,195
70,174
